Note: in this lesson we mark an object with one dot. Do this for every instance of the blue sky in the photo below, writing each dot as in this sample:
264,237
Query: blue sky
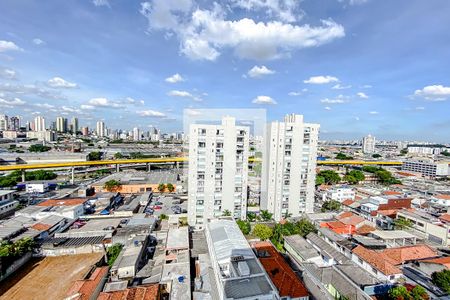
354,66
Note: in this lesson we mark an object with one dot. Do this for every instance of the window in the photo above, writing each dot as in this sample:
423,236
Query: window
374,270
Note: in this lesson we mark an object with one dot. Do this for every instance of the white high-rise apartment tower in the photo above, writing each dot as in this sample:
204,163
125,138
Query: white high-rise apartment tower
75,125
61,124
39,123
218,171
100,129
368,144
289,167
136,134
4,122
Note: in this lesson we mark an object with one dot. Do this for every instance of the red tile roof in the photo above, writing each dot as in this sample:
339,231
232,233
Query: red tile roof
391,193
445,261
281,274
442,197
445,217
365,229
352,220
41,226
344,214
348,202
409,253
63,202
149,292
84,289
392,213
377,260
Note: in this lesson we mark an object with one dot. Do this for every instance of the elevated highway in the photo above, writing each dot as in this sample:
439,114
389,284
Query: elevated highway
165,161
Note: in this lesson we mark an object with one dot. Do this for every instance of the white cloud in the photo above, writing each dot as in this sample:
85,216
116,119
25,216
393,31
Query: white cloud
362,95
264,100
69,109
204,34
191,112
9,46
6,73
321,79
257,72
11,103
87,107
151,113
327,108
44,105
175,78
341,87
184,94
366,86
38,42
134,101
30,89
373,112
104,102
434,92
420,108
294,93
58,82
284,10
338,100
354,2
101,2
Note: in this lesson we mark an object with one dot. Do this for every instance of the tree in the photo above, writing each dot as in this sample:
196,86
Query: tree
404,151
402,223
330,176
95,155
112,253
244,226
419,293
266,215
376,155
161,187
118,155
112,185
320,180
445,153
251,216
226,213
305,227
39,148
163,217
399,293
262,231
442,280
354,177
331,205
371,169
170,187
343,156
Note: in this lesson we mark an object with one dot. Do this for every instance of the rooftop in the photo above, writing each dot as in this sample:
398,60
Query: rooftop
143,292
327,249
137,178
445,261
301,246
392,234
282,276
401,255
84,289
178,238
377,260
63,202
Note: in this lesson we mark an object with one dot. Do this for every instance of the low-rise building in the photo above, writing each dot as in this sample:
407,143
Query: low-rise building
340,193
427,168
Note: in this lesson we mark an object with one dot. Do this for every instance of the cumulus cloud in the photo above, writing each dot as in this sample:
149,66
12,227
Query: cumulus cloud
87,107
294,93
11,103
30,89
104,102
151,113
321,79
338,100
101,2
44,105
175,78
420,108
7,73
362,95
257,72
264,100
373,112
134,101
38,42
192,112
204,34
327,108
341,87
58,82
284,10
9,46
434,93
184,94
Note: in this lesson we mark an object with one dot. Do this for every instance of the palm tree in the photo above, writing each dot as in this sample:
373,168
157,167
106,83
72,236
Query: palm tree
161,187
226,213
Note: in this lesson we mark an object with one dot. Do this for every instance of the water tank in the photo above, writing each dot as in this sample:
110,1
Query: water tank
243,268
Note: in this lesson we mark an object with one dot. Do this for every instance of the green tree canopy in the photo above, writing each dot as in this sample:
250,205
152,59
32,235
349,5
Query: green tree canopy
39,148
251,216
226,213
112,185
161,187
266,215
244,226
170,187
330,176
118,155
112,253
331,205
354,177
320,180
442,280
95,155
376,155
343,156
262,231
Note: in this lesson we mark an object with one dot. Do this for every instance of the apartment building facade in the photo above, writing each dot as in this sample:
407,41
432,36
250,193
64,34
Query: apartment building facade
289,167
218,171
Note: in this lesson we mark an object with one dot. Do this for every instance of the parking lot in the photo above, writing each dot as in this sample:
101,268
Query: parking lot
167,201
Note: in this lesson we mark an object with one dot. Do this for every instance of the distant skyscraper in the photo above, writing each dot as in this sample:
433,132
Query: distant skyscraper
289,167
101,132
218,171
136,134
39,123
14,123
4,122
85,131
368,144
74,124
61,124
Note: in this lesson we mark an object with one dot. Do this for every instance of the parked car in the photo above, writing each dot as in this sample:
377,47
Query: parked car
158,203
157,207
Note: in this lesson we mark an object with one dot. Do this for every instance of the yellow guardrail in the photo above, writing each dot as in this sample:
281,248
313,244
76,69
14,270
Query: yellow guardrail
171,160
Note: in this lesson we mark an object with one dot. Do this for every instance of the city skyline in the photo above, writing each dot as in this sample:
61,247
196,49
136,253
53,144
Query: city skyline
355,67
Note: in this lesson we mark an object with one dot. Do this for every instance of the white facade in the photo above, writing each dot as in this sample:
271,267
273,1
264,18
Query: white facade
61,124
136,134
218,171
74,125
37,187
100,129
289,167
427,168
39,123
339,194
425,150
368,144
47,136
4,122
